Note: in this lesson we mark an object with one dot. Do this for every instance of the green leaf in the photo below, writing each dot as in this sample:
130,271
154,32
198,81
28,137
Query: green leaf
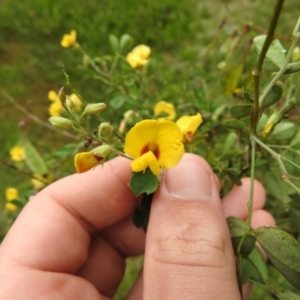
141,215
234,177
241,110
283,251
238,228
143,182
287,295
126,42
275,186
197,139
33,159
284,130
275,57
232,79
274,95
117,102
297,91
114,43
247,96
257,266
233,124
294,215
16,202
230,142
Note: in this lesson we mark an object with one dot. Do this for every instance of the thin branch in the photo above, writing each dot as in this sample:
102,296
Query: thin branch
37,119
258,69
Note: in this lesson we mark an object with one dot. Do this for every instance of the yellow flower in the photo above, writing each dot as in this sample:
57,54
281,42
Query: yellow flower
55,109
39,181
188,126
138,57
76,102
56,106
17,153
11,194
154,144
164,107
85,161
69,40
52,96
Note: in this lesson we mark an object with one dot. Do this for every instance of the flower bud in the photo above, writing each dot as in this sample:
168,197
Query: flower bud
94,109
105,129
62,95
69,103
102,151
60,122
296,54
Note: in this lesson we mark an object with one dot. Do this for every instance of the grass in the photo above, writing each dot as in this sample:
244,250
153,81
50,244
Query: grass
179,35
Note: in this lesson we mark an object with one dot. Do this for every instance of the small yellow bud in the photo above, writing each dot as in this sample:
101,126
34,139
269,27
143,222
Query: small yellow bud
60,122
105,129
296,54
94,109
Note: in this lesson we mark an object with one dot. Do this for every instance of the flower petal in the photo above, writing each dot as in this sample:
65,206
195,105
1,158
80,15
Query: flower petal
189,123
10,207
55,109
69,40
169,141
17,153
11,194
85,161
139,136
52,96
135,60
142,50
146,160
164,107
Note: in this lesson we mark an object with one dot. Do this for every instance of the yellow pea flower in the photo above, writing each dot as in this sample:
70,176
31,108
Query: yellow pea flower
165,107
76,102
85,161
52,96
11,194
154,144
69,40
188,126
138,57
55,108
17,153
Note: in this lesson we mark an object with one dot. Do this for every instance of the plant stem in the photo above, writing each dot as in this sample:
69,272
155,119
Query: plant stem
284,174
258,69
296,36
252,175
36,119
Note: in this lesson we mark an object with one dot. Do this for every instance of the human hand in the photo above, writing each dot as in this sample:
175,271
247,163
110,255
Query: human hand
72,238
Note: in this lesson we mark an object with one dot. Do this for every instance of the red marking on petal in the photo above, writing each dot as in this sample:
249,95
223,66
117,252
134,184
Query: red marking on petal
153,148
97,158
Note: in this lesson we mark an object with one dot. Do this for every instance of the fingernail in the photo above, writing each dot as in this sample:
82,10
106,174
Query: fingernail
189,180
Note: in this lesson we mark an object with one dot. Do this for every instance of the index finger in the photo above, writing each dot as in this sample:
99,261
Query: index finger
52,231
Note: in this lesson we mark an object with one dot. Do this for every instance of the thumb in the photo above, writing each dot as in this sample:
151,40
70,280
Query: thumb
188,249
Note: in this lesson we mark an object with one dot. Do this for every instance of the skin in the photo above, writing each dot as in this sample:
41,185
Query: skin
72,238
